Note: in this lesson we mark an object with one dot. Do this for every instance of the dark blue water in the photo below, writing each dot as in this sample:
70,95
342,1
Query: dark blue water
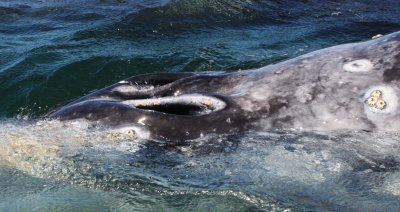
54,51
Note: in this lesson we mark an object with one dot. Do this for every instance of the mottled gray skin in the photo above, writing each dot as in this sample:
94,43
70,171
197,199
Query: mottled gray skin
322,90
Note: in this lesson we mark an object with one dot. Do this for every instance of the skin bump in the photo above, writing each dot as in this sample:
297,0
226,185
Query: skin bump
362,65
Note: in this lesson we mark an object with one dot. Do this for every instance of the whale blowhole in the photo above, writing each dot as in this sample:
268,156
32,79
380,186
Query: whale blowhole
188,104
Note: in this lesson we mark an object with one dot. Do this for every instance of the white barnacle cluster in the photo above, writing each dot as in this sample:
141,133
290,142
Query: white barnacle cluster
381,99
359,66
376,100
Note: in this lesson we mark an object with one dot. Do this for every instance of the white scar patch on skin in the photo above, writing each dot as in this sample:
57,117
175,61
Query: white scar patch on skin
382,99
362,65
141,121
126,88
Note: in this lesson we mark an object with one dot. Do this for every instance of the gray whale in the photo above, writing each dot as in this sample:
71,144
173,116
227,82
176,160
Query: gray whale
352,86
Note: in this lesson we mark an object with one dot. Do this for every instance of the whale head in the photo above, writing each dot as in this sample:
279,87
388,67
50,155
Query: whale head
350,86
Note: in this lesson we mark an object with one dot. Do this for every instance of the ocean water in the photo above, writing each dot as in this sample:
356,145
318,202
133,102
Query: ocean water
52,51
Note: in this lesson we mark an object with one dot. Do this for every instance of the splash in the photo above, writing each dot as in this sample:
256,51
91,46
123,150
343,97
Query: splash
34,147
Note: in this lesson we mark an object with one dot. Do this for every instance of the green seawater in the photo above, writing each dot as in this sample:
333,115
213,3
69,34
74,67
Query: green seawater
52,52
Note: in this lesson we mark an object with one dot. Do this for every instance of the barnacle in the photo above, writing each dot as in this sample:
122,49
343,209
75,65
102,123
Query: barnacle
376,93
381,104
372,100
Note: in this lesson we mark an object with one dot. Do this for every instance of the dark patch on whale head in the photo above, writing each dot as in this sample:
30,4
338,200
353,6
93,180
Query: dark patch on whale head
276,103
393,74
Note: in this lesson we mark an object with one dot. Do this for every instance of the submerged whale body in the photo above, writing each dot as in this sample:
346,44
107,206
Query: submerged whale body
351,86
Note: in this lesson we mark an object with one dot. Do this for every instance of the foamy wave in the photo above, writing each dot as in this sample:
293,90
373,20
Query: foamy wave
32,147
